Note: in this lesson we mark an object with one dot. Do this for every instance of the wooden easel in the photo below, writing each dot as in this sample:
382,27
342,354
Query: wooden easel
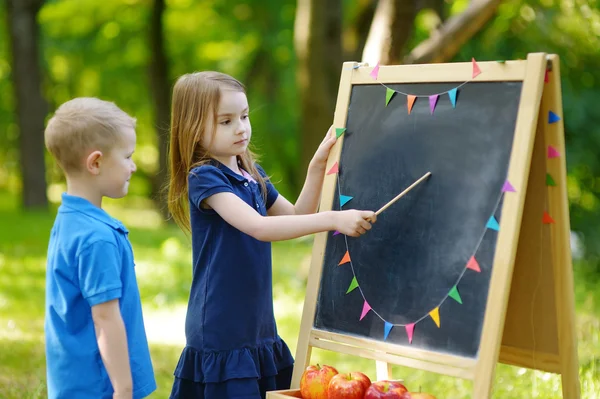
524,325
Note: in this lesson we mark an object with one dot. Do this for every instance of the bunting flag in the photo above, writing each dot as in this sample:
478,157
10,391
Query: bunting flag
339,131
508,187
432,102
547,219
353,285
455,295
552,117
375,72
345,259
410,328
344,199
388,95
476,70
435,315
335,233
334,169
410,101
553,152
452,95
387,328
546,79
549,180
473,264
493,223
366,309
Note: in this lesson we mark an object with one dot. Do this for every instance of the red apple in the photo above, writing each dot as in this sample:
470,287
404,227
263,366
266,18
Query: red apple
348,386
385,390
315,380
418,395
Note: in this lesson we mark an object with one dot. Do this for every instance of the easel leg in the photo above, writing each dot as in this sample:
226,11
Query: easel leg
383,370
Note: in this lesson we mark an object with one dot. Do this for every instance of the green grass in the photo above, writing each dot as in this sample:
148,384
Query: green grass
162,257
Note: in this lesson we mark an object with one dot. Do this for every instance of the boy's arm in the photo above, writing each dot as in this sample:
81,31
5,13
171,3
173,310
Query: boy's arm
112,342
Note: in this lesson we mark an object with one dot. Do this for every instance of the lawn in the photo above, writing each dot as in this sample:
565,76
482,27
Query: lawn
164,274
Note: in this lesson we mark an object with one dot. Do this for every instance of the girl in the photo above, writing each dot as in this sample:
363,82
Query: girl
233,349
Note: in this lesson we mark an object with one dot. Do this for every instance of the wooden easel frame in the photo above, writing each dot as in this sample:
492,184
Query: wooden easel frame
561,356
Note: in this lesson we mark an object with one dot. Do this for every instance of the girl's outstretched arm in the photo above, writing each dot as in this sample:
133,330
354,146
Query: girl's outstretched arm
276,228
308,200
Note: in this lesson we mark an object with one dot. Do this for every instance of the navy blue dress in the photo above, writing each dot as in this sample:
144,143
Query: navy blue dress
232,346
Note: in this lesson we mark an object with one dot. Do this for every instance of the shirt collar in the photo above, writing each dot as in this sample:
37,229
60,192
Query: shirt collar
229,172
84,206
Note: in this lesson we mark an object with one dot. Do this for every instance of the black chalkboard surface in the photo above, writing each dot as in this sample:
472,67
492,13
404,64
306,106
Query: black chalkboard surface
416,253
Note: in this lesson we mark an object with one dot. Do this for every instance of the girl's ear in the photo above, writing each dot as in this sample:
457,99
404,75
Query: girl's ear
93,161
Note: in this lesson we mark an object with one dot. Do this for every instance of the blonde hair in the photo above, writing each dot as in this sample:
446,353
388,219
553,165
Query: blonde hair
195,107
84,124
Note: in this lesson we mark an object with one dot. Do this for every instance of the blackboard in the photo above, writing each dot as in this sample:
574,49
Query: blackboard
417,251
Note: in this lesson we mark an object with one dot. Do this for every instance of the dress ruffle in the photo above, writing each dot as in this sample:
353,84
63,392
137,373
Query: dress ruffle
217,366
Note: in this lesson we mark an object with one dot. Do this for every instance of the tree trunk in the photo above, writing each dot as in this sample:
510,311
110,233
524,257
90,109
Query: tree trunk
319,50
31,107
159,83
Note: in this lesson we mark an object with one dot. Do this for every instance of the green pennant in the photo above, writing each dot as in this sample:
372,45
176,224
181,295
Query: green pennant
339,131
353,285
549,180
455,295
388,95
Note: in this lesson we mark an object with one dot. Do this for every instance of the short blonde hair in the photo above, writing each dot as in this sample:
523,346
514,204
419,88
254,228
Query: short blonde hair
82,125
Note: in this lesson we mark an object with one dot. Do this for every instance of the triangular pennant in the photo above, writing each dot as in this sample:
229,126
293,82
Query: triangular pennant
334,169
547,219
339,131
366,309
455,295
473,264
552,117
553,152
387,328
410,328
546,79
388,95
345,259
476,70
508,187
353,285
435,315
344,199
549,180
410,101
493,223
432,101
452,95
375,72
335,233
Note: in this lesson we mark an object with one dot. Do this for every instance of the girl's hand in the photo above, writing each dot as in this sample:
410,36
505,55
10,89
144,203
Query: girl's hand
354,223
319,160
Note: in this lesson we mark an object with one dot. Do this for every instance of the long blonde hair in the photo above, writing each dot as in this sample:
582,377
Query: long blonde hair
195,106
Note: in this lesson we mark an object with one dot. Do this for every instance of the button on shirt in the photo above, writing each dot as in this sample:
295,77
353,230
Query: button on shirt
90,261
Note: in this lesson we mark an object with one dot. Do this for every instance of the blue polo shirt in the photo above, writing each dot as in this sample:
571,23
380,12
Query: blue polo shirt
90,261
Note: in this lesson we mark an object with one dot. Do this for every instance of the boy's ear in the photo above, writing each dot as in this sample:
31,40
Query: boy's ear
92,162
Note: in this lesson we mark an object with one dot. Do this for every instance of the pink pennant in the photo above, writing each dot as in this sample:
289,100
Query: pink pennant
366,309
508,187
375,72
473,264
546,80
432,102
476,70
334,169
409,331
553,152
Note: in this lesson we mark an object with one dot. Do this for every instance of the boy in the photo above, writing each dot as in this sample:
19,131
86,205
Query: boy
96,346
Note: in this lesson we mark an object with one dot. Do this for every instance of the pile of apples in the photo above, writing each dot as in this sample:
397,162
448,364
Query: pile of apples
324,382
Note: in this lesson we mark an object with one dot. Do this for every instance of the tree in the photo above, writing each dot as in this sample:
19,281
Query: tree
31,107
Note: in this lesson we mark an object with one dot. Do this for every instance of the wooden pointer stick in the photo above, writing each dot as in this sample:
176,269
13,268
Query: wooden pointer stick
383,208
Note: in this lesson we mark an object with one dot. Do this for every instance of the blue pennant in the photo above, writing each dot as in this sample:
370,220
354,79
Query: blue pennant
452,95
344,199
552,117
388,328
493,224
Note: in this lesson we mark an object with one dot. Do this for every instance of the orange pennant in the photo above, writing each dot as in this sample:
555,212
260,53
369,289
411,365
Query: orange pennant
476,70
435,315
334,169
410,102
473,264
547,219
345,259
